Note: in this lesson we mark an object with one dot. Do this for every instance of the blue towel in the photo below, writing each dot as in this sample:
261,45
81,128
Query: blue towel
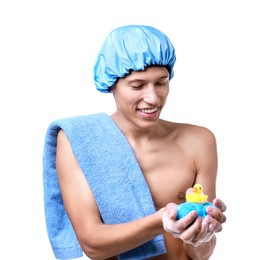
114,175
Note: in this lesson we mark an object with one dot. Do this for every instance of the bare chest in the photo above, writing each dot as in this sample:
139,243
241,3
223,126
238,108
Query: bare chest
168,172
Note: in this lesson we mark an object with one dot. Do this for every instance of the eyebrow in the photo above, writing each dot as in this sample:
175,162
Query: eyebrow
135,80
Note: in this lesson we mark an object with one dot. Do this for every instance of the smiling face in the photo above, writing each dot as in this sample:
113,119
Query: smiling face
141,95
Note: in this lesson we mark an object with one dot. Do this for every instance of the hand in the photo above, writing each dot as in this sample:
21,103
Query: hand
216,215
192,229
186,228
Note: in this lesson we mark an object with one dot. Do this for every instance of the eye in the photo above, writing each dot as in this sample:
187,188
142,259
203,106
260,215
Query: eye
162,82
136,87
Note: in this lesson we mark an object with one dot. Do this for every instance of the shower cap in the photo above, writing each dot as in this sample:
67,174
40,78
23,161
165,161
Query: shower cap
131,47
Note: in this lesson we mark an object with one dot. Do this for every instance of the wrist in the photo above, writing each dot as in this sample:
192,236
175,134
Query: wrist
200,251
159,215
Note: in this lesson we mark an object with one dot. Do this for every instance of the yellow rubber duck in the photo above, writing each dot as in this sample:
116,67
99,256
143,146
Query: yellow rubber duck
196,194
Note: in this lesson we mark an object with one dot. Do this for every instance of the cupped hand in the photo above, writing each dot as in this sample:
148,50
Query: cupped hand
216,216
191,228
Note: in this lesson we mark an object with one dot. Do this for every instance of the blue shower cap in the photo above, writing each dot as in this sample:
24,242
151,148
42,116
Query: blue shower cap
131,47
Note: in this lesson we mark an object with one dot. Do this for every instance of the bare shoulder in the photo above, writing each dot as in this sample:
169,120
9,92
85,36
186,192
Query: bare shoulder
191,132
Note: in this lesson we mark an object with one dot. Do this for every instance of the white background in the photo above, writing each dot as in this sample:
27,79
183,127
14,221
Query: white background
222,81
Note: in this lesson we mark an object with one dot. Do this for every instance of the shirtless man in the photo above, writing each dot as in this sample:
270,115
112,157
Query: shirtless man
172,156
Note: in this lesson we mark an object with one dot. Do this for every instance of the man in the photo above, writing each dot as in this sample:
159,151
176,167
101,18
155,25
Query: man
135,64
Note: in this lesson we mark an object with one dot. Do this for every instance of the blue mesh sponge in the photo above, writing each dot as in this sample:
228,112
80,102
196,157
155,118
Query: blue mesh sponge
184,208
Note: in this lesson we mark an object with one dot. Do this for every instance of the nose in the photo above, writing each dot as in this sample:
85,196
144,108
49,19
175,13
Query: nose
151,95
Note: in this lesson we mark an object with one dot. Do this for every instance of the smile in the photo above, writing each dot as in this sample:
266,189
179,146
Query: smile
149,110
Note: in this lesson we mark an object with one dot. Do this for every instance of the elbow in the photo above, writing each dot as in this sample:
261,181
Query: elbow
93,251
93,254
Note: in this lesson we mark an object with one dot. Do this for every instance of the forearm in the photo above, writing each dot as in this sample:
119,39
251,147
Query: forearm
202,251
120,237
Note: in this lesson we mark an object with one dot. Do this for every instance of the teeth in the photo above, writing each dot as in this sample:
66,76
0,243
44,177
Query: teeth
149,111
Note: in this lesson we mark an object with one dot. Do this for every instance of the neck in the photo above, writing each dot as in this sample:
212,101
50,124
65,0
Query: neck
136,131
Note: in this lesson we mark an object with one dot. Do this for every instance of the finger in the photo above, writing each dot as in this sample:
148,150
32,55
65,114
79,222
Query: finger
216,214
220,204
206,233
186,221
213,224
192,230
171,210
203,233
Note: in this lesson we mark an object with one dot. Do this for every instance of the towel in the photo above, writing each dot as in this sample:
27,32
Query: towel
114,175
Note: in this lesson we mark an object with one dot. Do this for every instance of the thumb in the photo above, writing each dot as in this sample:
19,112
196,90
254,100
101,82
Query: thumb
171,210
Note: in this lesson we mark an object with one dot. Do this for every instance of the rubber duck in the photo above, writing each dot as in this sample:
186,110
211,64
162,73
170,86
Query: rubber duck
196,194
195,200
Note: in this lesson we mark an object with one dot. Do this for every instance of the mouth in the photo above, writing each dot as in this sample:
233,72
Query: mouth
149,110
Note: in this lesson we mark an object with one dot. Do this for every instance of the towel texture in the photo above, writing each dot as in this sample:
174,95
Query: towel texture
114,175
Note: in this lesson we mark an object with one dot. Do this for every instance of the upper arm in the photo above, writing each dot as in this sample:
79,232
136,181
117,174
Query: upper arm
78,199
206,162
